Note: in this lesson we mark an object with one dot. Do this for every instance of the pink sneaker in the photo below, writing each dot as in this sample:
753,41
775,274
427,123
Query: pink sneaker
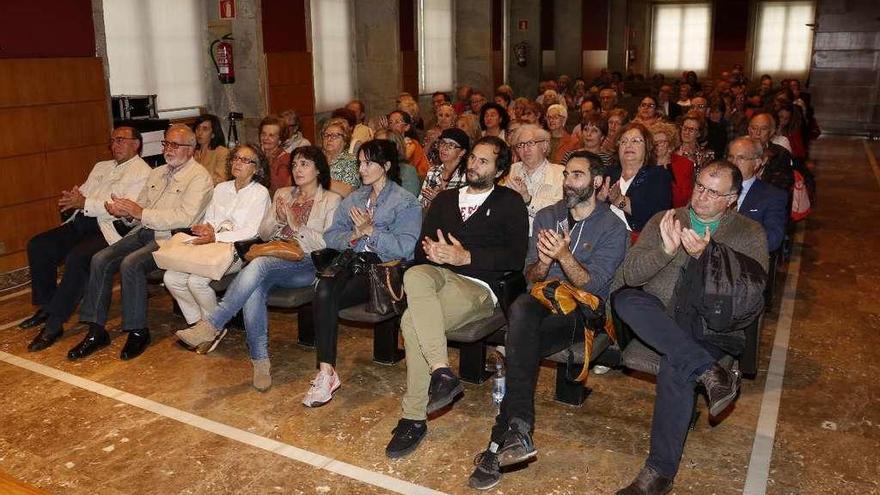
321,391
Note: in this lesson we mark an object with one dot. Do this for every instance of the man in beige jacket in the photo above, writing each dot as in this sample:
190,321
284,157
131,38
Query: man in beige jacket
175,196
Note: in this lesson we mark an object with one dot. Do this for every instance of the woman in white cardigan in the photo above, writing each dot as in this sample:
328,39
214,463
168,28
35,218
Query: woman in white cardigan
233,214
302,212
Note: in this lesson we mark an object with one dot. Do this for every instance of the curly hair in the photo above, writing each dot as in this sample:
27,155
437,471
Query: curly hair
261,172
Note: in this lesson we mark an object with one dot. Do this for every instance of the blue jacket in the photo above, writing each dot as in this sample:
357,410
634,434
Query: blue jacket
768,206
397,220
650,192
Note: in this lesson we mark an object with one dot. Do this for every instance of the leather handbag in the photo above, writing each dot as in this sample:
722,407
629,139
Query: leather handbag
178,254
563,298
289,250
386,288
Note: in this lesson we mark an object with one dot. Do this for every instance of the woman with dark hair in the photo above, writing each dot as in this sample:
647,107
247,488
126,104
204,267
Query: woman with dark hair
791,121
617,118
694,130
380,217
402,123
210,150
451,168
273,132
301,212
594,128
636,189
494,120
233,214
409,178
647,114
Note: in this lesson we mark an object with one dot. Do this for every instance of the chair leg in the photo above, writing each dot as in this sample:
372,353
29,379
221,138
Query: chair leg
305,326
567,391
385,342
472,362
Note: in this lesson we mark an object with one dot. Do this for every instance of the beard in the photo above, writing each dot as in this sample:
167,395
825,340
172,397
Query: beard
479,181
574,197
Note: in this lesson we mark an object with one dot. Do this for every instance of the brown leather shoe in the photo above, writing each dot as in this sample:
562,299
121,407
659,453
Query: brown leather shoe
648,482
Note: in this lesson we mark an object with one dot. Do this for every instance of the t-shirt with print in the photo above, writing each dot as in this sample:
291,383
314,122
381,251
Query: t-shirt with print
469,203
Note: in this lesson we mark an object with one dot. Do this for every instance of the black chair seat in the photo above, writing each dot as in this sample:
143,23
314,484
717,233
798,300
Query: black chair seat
290,298
478,330
638,356
600,343
359,313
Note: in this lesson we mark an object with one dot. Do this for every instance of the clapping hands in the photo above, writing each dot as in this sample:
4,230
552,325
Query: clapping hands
445,252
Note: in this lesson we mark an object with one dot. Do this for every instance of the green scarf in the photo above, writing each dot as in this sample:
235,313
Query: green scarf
699,226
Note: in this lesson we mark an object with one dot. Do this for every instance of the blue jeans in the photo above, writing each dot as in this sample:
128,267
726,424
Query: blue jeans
249,292
132,257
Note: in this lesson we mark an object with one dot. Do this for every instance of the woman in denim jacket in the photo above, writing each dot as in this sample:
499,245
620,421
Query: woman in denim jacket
380,217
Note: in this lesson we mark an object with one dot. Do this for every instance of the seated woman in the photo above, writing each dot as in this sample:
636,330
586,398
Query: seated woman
647,113
636,189
450,171
594,128
273,132
380,217
301,212
445,117
233,214
295,137
693,131
343,166
494,120
617,118
402,123
665,136
409,178
470,124
210,152
561,142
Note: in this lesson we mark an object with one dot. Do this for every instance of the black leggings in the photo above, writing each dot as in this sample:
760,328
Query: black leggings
331,295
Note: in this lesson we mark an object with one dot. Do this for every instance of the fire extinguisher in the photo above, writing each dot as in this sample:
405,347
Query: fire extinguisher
223,59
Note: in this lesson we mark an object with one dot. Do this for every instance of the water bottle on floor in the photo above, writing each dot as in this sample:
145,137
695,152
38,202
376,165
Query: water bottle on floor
498,384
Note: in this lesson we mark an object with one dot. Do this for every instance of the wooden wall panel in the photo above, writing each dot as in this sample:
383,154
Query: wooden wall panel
409,72
289,68
22,132
24,179
22,222
290,85
76,124
42,81
71,167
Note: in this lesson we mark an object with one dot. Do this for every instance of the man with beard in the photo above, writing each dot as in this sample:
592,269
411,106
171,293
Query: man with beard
174,196
577,240
471,237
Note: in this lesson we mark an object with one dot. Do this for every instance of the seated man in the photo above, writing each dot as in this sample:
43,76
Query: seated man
777,170
577,240
88,230
175,196
763,203
688,357
535,178
481,233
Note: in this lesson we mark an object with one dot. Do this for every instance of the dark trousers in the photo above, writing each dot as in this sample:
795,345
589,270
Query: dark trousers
73,243
132,257
683,358
533,334
331,295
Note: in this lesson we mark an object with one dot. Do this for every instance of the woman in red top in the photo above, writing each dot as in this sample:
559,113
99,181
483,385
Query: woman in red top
790,122
272,134
665,140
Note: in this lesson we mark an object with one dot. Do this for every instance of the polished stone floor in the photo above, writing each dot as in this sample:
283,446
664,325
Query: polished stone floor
64,437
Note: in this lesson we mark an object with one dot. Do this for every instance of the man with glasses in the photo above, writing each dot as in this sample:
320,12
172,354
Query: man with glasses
656,263
88,229
538,181
175,196
758,200
777,169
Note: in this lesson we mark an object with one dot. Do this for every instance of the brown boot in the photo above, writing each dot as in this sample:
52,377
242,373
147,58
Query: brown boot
262,374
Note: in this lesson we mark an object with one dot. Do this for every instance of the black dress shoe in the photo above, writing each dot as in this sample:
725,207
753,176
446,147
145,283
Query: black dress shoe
137,342
648,482
44,339
95,339
37,319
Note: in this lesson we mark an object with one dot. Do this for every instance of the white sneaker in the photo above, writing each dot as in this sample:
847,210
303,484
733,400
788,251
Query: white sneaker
321,391
598,369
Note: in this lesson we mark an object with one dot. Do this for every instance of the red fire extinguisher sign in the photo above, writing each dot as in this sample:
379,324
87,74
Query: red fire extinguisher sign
227,9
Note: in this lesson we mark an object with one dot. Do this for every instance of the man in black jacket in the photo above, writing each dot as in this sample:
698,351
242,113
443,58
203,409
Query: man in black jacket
471,237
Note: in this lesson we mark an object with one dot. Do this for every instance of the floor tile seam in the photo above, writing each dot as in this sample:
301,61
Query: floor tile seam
762,448
315,460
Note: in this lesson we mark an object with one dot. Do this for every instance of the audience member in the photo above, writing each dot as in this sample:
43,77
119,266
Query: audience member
617,119
561,142
494,120
647,113
335,137
210,150
451,169
665,137
295,137
777,170
538,181
409,178
759,201
402,123
693,132
273,131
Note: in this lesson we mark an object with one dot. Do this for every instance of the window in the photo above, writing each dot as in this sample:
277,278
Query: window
332,53
784,41
436,60
157,48
681,38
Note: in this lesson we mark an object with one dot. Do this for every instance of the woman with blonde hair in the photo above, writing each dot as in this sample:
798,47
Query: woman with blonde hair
344,175
561,142
682,169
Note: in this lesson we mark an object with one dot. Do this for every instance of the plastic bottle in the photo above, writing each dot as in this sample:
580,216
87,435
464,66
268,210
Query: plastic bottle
498,384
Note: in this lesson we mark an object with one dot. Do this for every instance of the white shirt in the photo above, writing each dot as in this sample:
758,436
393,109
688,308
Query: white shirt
236,215
624,187
467,204
746,185
123,180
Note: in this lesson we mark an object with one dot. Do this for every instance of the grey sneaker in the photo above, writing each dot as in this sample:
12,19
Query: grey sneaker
199,334
321,391
648,482
518,446
487,473
262,374
721,386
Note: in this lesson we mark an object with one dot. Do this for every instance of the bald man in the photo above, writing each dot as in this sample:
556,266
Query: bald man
174,196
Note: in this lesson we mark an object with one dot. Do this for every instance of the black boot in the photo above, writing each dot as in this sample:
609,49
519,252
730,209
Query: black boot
137,343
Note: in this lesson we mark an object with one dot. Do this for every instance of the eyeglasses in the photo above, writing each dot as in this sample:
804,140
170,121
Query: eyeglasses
121,140
448,145
647,105
713,194
529,144
171,145
685,128
624,142
701,106
740,158
333,135
241,159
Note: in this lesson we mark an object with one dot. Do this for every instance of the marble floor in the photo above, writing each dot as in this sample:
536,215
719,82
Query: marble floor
174,422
